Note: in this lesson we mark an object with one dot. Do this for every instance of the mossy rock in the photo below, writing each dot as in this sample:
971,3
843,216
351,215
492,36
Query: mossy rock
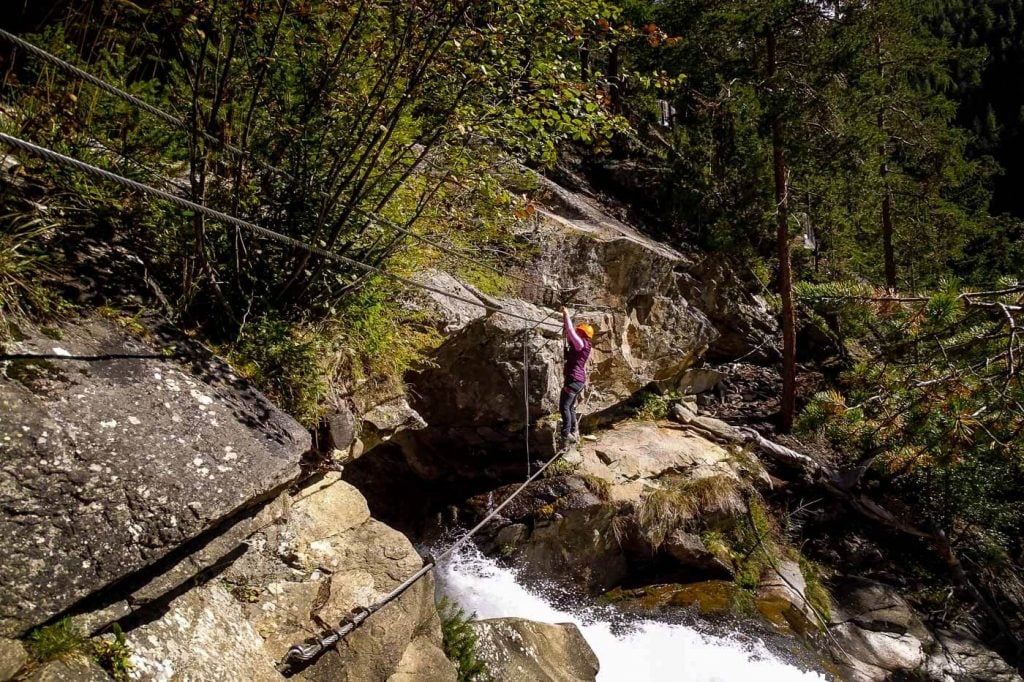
709,598
783,613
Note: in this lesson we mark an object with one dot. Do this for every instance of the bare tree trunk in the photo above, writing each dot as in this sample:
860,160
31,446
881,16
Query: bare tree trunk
889,256
781,171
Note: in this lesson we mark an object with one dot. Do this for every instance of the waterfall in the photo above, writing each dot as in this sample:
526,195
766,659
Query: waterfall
645,651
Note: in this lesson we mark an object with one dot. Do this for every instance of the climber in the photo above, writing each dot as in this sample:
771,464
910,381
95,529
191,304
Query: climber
577,350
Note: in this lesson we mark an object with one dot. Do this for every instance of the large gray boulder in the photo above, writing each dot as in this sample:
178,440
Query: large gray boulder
878,632
471,391
515,650
879,636
115,451
647,329
960,656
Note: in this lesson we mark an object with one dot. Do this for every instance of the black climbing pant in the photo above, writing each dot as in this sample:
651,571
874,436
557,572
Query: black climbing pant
567,406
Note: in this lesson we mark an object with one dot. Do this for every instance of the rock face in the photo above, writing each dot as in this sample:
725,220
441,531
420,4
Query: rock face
203,636
880,636
782,598
878,630
960,656
517,650
69,671
747,327
300,576
12,657
113,454
649,330
471,394
586,529
557,529
635,455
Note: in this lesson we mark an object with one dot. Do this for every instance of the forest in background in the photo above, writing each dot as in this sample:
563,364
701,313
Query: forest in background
858,160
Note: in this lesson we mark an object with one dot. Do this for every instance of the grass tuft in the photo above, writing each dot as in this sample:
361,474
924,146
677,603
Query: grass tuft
664,510
601,488
57,642
26,264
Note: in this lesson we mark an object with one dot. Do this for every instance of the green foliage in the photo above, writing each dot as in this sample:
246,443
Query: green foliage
932,414
653,406
460,642
57,642
26,264
114,655
286,361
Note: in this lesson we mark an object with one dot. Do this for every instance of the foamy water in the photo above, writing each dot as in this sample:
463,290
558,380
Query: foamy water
647,651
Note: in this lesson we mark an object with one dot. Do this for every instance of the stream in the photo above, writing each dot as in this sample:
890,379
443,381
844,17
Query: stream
641,651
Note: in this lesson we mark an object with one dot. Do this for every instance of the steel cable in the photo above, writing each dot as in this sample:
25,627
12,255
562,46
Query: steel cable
57,157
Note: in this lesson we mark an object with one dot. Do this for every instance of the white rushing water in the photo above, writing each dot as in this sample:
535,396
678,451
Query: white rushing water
649,651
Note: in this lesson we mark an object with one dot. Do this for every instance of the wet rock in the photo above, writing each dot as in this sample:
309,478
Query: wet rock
204,636
689,551
709,598
515,649
580,547
557,528
544,497
113,453
12,658
782,599
82,670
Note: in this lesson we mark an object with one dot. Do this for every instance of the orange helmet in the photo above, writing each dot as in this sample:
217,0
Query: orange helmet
586,329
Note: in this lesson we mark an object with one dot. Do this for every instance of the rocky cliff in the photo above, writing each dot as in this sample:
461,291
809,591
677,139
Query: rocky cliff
143,483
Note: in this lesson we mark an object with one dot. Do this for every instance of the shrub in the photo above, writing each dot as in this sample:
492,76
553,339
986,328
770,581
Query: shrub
460,642
653,406
285,361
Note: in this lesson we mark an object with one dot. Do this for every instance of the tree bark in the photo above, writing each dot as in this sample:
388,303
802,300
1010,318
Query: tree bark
781,171
888,255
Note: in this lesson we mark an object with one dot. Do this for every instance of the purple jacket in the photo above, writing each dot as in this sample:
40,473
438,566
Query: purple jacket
576,354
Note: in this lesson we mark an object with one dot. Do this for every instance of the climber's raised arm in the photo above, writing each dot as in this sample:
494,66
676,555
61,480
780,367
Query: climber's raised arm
570,331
